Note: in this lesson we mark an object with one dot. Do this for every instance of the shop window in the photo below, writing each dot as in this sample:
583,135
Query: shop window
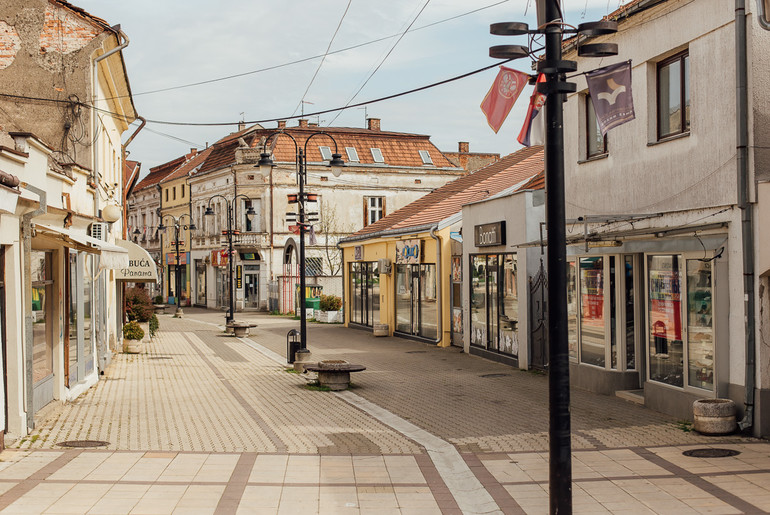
572,310
88,309
43,315
673,80
629,291
592,330
416,306
700,325
364,280
596,142
666,350
494,303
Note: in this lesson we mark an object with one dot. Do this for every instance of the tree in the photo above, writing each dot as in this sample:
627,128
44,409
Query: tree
332,228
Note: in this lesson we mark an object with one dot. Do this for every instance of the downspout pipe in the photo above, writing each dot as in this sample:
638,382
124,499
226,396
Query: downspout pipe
439,281
763,17
26,231
747,223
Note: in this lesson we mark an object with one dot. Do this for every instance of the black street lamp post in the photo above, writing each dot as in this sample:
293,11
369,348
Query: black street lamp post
178,279
555,87
232,214
304,218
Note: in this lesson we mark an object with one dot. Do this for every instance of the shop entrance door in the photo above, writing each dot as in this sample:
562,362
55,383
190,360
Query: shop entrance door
251,273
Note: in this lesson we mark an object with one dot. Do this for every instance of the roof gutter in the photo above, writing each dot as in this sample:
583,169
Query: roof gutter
387,233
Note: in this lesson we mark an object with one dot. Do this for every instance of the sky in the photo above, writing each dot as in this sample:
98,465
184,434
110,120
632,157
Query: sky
375,49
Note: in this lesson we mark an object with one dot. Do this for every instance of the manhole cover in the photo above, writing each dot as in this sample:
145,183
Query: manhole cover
494,375
83,443
416,351
711,453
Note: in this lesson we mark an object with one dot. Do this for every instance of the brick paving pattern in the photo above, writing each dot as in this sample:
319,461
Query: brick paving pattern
207,423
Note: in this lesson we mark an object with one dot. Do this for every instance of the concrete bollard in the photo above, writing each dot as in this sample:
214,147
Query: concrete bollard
714,416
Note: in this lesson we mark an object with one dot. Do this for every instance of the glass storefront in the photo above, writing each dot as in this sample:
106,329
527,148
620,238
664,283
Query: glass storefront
416,307
200,282
42,312
494,303
365,293
601,311
680,311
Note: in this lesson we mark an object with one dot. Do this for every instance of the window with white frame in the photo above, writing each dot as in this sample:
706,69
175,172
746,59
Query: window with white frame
326,153
673,81
425,156
377,155
352,154
374,209
596,143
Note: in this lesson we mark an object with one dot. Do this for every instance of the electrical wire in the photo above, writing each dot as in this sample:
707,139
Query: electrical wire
323,58
306,59
381,63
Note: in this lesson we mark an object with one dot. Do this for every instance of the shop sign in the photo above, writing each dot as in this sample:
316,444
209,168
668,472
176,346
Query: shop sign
141,266
171,258
490,235
358,252
239,276
409,252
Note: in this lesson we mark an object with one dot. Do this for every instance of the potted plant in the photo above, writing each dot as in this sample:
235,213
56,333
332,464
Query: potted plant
329,312
132,337
158,304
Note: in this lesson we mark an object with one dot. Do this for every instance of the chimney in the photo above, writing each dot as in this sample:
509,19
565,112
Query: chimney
193,151
281,124
374,124
302,122
241,125
464,147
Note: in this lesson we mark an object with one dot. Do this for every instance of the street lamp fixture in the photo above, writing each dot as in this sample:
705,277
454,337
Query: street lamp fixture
304,218
178,226
555,87
231,206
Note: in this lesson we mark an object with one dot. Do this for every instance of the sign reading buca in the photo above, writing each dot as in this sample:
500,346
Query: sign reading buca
141,267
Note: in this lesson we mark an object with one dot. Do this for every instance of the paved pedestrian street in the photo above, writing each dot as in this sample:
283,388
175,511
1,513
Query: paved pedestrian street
203,422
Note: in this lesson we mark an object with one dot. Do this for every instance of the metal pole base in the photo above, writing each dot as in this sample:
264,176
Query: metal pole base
179,313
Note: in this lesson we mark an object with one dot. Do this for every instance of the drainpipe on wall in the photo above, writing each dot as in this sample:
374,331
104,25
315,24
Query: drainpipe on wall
439,279
747,225
26,231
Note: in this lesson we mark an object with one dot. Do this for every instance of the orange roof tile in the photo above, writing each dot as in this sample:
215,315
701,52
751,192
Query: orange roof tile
521,167
192,161
158,173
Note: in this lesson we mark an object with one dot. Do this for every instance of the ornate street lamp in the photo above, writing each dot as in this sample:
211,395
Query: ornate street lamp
555,87
232,215
177,227
303,217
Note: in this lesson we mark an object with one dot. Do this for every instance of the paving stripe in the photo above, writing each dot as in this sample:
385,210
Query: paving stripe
231,497
468,491
272,435
24,486
698,481
498,492
444,499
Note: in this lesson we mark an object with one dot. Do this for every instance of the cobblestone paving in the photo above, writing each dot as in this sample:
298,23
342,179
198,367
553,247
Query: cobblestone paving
207,423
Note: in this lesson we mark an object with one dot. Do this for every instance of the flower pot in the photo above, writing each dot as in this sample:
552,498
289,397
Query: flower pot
132,346
714,416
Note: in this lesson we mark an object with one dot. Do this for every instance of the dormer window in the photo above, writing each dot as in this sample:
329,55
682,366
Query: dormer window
377,155
352,154
326,153
426,159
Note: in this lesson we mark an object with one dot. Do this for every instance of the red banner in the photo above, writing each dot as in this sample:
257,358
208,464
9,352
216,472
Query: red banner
502,95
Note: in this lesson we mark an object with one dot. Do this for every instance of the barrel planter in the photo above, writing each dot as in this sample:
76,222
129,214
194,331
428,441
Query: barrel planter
714,416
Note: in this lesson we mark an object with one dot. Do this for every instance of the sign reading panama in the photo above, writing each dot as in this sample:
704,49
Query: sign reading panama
141,267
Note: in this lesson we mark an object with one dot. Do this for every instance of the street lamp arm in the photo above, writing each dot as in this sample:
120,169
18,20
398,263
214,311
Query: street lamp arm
322,133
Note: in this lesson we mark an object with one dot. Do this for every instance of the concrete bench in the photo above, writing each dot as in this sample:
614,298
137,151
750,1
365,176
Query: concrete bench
334,374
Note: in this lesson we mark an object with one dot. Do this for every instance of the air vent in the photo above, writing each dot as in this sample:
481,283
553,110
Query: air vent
98,230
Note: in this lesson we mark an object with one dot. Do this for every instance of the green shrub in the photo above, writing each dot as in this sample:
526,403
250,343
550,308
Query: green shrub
330,303
154,326
138,305
158,299
133,331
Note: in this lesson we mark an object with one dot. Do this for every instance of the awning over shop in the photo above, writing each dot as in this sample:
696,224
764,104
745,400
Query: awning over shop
141,267
112,256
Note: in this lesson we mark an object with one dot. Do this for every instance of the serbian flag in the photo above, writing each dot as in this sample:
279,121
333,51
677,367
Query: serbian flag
502,95
533,131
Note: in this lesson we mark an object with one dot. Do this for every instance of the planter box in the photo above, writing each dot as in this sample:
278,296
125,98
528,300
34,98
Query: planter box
328,317
132,346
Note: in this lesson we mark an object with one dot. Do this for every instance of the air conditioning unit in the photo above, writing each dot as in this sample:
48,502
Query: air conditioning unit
98,230
384,266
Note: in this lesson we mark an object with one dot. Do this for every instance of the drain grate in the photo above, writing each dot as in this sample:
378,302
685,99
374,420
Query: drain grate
711,453
83,443
416,351
160,357
494,375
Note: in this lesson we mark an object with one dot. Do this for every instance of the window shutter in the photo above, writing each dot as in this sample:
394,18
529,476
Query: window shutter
384,213
366,212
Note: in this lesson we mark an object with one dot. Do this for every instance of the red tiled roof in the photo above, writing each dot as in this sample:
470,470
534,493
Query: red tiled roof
158,173
83,13
523,165
193,160
398,149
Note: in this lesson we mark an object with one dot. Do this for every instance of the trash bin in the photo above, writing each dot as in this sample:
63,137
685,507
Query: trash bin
292,345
